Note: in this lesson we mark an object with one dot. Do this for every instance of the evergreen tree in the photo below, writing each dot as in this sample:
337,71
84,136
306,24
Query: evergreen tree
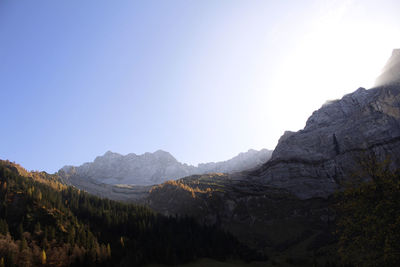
369,217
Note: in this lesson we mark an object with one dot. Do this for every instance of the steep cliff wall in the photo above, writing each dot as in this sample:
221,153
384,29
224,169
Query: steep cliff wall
311,162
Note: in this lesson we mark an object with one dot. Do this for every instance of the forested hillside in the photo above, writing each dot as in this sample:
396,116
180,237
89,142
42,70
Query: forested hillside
43,222
359,225
368,224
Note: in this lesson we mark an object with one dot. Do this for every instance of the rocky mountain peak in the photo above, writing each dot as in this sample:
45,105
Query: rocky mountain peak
157,167
391,71
109,155
161,154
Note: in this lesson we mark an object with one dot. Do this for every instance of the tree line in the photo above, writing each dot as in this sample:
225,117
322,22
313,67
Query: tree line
43,223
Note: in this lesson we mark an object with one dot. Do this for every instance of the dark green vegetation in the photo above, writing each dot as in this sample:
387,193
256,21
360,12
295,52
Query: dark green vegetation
289,230
360,226
369,217
43,222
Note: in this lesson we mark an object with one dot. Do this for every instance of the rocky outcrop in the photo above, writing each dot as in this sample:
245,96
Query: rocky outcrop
313,161
152,168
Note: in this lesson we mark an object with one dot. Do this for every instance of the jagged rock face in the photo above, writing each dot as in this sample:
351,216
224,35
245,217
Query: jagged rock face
243,161
312,162
390,74
152,168
149,168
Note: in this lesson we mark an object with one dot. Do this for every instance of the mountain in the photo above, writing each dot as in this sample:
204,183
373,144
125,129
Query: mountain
312,162
390,73
154,168
145,169
286,206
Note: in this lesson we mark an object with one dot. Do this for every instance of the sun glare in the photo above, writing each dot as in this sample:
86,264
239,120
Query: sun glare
331,60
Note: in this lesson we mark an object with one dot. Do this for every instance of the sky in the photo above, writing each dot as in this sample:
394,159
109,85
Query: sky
203,80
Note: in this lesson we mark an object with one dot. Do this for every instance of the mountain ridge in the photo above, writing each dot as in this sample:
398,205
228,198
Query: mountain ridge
157,167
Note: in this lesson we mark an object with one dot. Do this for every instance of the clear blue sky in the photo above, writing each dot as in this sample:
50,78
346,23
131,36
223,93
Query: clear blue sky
201,79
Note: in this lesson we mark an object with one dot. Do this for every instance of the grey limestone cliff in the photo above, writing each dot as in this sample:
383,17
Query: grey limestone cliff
153,168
